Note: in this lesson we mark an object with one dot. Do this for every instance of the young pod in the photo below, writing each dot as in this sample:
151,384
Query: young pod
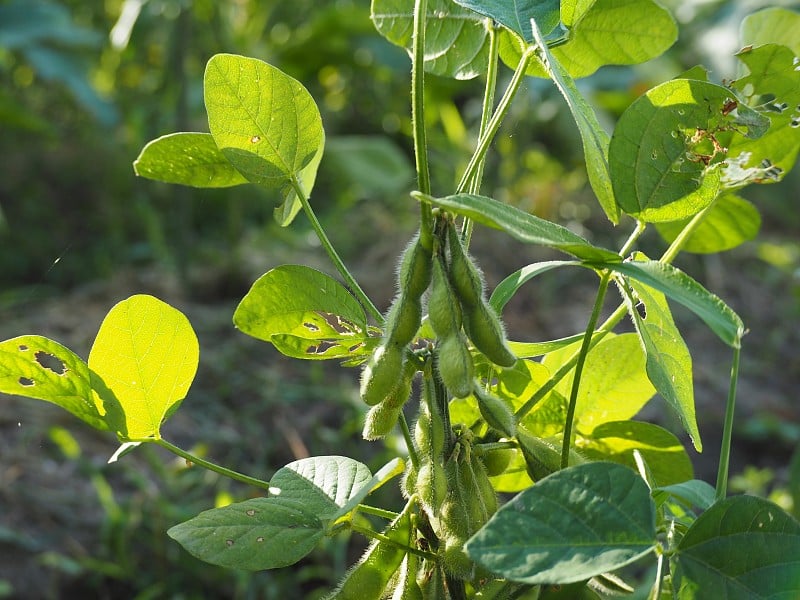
467,279
382,373
444,311
496,412
485,330
368,579
543,457
455,365
431,485
380,420
496,461
406,587
415,268
431,581
403,319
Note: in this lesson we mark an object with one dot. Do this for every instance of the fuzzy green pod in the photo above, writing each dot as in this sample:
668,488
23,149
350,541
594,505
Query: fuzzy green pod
543,457
380,420
455,366
466,277
486,332
415,268
496,461
407,587
368,579
495,411
431,485
444,310
431,581
382,373
403,319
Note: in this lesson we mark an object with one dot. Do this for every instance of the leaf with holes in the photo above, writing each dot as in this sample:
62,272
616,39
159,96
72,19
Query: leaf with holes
742,548
262,533
304,313
38,367
668,148
143,361
730,222
456,40
266,124
608,32
188,159
572,525
517,14
518,224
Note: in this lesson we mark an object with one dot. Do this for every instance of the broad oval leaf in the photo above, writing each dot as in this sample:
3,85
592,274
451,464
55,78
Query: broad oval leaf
731,221
517,14
188,159
262,533
518,224
292,303
572,525
669,363
609,32
664,156
143,360
680,287
456,40
663,452
742,548
693,492
506,289
264,122
38,367
774,25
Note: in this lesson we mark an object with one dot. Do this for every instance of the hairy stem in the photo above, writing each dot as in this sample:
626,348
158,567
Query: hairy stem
412,452
349,280
418,110
374,535
581,360
727,430
212,466
378,512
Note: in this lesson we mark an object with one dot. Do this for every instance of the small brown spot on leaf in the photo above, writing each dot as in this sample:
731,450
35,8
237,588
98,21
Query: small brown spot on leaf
259,539
255,139
26,381
23,348
251,513
311,326
48,361
229,543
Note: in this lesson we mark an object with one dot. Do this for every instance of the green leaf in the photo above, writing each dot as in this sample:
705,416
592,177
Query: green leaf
693,492
506,289
322,485
773,25
456,40
678,286
610,32
372,166
390,470
262,533
515,478
614,386
669,364
532,349
771,86
594,138
731,221
573,11
663,452
663,158
518,224
188,159
577,523
265,123
517,14
305,313
38,367
741,548
143,360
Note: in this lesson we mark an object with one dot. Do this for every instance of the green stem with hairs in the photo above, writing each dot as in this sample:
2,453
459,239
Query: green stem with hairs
374,535
418,110
727,431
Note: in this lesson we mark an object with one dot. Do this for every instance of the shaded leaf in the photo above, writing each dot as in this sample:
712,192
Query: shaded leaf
188,159
741,548
731,221
518,224
143,360
507,288
517,14
693,492
577,523
38,367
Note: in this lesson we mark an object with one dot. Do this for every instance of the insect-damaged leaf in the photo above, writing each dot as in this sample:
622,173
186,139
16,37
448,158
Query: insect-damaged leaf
304,313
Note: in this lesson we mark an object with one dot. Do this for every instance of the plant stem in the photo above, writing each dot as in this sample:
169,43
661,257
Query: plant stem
679,242
374,535
212,466
495,122
333,255
378,512
412,452
418,114
581,360
727,430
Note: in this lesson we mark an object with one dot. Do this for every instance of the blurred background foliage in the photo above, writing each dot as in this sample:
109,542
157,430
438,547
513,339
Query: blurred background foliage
84,85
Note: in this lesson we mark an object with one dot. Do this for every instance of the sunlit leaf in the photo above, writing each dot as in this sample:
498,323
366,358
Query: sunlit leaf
143,360
577,523
188,159
774,25
456,40
731,221
38,367
742,548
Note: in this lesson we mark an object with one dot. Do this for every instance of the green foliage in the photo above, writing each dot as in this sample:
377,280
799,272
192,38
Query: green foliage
596,489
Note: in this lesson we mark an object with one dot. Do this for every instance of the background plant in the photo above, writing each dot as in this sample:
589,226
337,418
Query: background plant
482,210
